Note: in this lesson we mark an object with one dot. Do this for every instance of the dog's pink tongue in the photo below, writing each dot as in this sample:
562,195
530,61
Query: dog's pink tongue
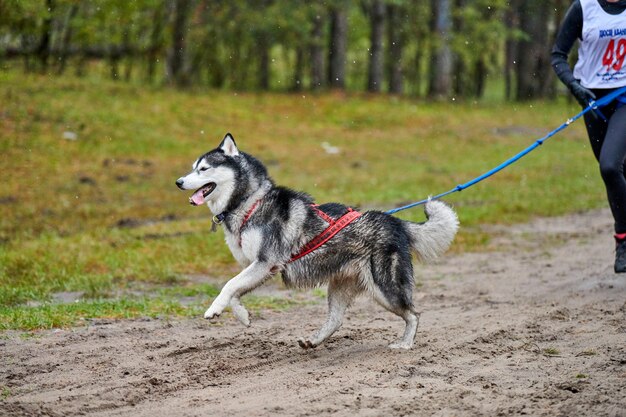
197,198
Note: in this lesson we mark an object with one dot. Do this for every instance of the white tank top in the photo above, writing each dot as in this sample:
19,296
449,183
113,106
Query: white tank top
602,53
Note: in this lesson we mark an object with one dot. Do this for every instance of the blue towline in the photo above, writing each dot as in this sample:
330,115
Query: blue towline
593,105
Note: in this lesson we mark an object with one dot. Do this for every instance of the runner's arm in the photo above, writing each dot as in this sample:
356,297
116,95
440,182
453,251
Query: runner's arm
571,29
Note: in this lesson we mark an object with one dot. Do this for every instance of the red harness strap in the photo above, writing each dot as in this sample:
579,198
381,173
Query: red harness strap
246,218
335,226
248,214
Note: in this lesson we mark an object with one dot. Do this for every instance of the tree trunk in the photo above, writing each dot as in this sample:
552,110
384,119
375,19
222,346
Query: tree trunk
396,42
480,78
176,56
156,43
338,48
128,60
417,71
66,38
24,46
441,56
113,66
43,50
317,53
460,85
298,74
461,81
208,58
377,31
511,19
533,57
559,9
128,69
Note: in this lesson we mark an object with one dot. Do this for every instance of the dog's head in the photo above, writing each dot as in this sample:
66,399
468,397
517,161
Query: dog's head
214,170
223,176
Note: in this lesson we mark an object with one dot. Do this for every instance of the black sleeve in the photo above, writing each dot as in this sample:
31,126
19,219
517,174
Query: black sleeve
571,29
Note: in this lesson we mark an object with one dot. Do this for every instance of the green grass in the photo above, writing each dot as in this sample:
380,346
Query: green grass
101,215
50,316
166,302
551,351
5,393
64,315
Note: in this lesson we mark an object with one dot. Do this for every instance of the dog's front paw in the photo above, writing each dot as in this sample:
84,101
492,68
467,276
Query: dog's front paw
212,313
305,343
241,314
217,308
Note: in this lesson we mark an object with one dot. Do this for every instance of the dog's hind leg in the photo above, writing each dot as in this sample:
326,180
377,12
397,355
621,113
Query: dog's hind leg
392,280
340,296
411,319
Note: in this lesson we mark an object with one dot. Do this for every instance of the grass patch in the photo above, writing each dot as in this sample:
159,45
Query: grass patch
101,214
551,351
50,315
256,303
65,315
320,293
207,290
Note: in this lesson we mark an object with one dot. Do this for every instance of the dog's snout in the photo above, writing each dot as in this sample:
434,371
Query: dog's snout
180,182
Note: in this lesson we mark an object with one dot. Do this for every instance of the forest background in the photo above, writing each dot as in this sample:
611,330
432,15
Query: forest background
419,48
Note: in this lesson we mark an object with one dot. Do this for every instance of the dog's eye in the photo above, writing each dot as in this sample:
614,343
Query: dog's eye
204,168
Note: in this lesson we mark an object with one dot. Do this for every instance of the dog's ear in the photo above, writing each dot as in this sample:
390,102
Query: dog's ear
228,146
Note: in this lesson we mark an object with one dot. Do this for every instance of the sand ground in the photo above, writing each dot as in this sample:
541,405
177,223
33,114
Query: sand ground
537,327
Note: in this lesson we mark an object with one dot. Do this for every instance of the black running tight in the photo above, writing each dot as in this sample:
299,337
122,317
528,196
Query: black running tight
608,141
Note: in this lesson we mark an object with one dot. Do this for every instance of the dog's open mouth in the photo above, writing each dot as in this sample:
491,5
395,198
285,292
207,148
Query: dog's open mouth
201,193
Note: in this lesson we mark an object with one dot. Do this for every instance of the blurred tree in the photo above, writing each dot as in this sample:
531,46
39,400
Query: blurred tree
441,53
533,52
511,21
176,70
338,45
155,41
433,47
418,45
375,10
397,16
20,23
478,41
317,48
43,50
66,37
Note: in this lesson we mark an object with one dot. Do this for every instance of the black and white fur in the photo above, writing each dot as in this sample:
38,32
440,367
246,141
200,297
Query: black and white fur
371,255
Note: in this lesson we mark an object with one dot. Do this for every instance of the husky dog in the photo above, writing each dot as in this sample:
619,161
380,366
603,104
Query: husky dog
270,229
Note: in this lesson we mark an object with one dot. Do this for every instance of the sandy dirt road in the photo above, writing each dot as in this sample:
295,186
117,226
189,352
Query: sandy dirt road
537,327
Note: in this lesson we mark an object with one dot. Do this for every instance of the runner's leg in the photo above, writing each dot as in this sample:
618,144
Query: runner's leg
612,157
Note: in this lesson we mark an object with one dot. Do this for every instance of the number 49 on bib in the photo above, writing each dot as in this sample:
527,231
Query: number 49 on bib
615,55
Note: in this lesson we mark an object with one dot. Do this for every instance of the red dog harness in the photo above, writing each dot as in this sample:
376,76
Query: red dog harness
334,227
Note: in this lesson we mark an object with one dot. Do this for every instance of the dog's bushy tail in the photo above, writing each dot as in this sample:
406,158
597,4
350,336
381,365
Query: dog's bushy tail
433,237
